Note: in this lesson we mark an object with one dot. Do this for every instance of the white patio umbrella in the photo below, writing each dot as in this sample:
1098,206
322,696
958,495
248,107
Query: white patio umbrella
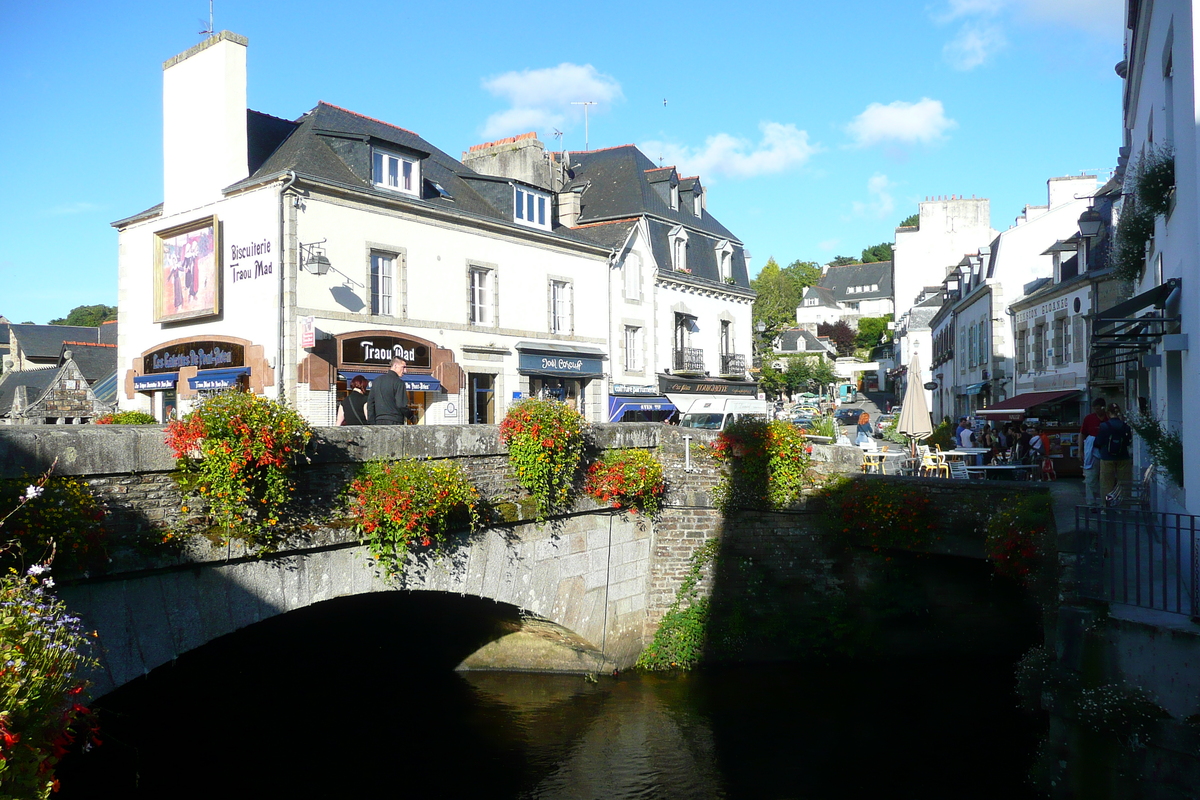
914,416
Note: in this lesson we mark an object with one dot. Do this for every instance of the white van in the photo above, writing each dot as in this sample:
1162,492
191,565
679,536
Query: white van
715,413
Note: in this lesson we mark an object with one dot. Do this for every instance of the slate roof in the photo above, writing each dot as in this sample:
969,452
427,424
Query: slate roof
798,340
838,280
95,361
45,341
38,381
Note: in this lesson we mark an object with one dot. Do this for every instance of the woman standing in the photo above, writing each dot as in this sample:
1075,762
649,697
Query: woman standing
864,430
353,408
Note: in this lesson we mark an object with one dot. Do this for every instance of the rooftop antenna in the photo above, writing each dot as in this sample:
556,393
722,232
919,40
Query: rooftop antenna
585,104
208,31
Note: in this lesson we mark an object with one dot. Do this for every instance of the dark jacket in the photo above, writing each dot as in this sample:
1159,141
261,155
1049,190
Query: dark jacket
354,410
388,402
1113,440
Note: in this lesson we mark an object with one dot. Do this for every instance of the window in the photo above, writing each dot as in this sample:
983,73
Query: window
811,301
529,208
560,307
482,397
395,172
674,197
482,296
725,260
633,348
383,273
679,240
633,277
726,337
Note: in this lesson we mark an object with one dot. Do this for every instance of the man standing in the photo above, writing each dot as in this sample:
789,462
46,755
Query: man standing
1088,453
1114,441
388,402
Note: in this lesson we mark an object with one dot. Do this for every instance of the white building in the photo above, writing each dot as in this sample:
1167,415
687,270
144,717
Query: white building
848,293
291,255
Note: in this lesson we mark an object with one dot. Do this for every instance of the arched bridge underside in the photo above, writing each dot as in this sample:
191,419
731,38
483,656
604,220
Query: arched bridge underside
587,574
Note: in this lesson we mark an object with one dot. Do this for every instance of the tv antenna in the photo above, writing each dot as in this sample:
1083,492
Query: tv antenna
208,31
585,104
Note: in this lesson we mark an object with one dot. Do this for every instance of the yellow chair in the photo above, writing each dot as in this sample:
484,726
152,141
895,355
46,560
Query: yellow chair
933,463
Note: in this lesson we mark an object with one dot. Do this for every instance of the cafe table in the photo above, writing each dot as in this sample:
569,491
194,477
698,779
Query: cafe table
970,455
877,460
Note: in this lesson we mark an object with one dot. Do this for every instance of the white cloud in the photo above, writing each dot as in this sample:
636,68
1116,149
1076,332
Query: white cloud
542,97
973,46
881,203
922,122
782,147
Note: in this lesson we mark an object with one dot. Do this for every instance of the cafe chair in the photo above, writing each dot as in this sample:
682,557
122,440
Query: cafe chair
958,470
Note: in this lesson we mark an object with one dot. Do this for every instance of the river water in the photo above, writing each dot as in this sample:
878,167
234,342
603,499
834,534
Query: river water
358,698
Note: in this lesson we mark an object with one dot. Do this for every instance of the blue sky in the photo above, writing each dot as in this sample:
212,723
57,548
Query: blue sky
816,127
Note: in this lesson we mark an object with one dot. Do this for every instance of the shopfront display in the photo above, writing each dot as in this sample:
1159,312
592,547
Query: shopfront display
184,370
1057,414
560,372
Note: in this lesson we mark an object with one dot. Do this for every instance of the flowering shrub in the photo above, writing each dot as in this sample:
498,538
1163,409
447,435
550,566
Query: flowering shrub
399,503
1016,537
1134,228
545,445
1124,711
631,479
878,513
682,634
1155,179
66,522
768,465
126,418
42,651
235,451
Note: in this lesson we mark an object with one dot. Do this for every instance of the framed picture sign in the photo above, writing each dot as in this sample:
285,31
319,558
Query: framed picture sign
187,271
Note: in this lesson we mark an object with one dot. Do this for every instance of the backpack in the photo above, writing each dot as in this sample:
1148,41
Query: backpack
1119,439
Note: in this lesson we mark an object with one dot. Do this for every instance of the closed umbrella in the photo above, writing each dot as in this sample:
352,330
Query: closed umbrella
914,417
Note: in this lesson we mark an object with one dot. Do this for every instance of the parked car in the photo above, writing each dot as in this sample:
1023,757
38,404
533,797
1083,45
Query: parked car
802,421
848,416
881,424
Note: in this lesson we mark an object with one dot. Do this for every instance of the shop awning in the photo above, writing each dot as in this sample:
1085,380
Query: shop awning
1124,311
414,383
975,388
617,406
1022,403
217,378
156,382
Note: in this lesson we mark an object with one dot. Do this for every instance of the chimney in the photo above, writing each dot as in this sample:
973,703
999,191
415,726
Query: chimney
523,158
569,207
204,122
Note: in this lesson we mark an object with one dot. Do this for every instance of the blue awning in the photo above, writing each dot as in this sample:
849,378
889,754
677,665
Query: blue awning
217,378
617,406
414,383
155,382
975,388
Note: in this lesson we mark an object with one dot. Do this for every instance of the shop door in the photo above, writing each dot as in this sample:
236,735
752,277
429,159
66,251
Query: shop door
482,390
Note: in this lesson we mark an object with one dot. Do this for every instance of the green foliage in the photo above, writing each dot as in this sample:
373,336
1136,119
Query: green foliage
1124,711
877,253
780,292
126,418
234,454
913,221
771,381
398,503
824,426
631,479
679,641
1155,180
843,261
44,651
45,518
768,465
942,436
872,330
1165,445
545,446
1018,539
88,316
892,431
877,513
822,373
1134,228
841,334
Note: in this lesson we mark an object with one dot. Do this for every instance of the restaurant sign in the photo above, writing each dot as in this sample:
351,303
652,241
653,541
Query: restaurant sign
202,355
567,364
378,351
675,384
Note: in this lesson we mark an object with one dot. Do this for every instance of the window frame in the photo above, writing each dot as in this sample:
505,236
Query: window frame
561,292
490,305
679,245
409,183
378,298
632,345
527,202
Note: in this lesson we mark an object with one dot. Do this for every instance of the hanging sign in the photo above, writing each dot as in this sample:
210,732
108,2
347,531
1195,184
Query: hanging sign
378,351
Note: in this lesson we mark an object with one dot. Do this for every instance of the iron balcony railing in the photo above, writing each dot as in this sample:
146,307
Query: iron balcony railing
1148,559
689,359
733,364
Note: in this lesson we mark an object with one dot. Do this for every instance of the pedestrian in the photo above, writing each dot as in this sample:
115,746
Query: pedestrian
353,408
1115,443
863,438
1088,453
965,437
388,402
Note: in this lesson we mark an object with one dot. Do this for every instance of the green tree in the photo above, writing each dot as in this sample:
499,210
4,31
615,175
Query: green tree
798,374
879,252
871,331
88,316
823,374
841,334
841,261
911,222
771,380
780,291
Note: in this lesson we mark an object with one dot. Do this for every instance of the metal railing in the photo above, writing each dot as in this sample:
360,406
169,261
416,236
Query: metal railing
689,359
1145,558
733,364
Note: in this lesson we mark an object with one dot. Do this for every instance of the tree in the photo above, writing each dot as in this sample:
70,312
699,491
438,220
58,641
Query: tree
879,252
823,374
841,334
770,380
88,316
871,331
841,261
798,374
780,291
911,222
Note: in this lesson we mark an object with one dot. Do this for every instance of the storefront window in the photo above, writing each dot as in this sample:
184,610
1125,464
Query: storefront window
482,389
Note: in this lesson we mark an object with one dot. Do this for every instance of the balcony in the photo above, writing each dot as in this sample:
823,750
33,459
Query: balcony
688,361
732,365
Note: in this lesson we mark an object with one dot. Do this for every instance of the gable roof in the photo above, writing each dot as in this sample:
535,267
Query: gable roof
839,280
37,381
95,361
799,340
45,341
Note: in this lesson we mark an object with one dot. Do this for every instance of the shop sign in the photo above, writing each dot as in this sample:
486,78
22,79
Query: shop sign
202,355
633,389
308,331
560,365
378,351
676,385
250,260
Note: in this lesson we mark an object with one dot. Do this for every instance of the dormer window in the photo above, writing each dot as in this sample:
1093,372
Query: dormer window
531,208
698,201
679,239
396,172
674,197
725,260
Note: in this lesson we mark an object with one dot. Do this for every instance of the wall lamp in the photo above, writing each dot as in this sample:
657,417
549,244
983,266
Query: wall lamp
313,258
1090,223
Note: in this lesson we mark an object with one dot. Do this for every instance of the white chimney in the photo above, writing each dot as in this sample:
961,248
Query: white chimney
204,122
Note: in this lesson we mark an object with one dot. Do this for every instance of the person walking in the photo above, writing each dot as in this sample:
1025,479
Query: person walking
1088,453
1115,442
353,408
388,402
863,439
